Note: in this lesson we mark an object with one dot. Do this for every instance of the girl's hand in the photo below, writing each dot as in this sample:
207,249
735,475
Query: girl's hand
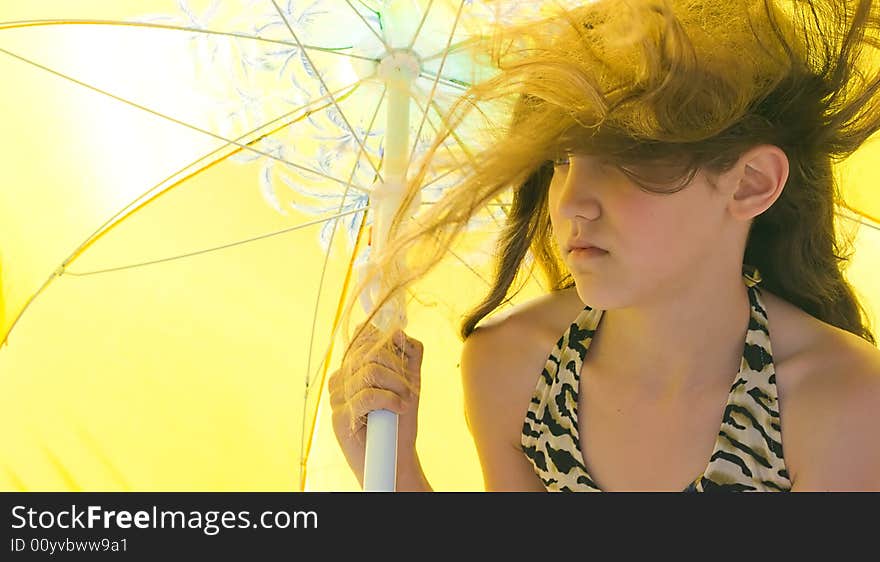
388,379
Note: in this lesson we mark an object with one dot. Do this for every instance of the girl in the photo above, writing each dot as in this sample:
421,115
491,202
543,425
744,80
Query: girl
673,171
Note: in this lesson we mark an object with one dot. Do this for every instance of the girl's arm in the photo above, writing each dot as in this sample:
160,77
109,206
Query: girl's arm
497,380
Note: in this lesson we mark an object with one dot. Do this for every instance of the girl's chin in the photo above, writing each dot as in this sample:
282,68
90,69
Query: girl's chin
591,294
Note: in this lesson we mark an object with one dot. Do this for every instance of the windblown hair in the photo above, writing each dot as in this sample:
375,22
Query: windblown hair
691,83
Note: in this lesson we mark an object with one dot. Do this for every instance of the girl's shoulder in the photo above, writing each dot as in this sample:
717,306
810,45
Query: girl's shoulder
544,317
828,381
501,364
522,337
809,349
507,352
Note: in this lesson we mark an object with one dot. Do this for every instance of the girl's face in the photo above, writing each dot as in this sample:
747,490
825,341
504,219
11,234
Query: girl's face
652,241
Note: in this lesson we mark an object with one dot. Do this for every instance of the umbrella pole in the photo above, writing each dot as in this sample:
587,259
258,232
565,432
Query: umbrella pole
398,69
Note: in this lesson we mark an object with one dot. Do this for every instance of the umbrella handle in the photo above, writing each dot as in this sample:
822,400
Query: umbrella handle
380,458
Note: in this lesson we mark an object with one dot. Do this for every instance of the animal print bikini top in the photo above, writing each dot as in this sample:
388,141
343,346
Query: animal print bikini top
748,450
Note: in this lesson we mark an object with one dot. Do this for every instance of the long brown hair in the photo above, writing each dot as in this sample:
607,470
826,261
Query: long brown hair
644,82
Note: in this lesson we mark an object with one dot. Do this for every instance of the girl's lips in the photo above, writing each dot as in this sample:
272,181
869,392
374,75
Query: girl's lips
575,244
587,253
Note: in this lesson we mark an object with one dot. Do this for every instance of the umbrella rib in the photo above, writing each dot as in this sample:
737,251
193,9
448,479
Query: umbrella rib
452,132
366,23
177,121
859,218
459,258
438,178
419,29
216,248
17,482
461,144
434,86
468,266
448,82
333,100
437,132
117,23
306,446
449,48
871,225
455,135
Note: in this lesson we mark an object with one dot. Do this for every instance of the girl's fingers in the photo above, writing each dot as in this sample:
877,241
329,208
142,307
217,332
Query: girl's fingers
391,355
387,378
371,399
367,401
374,375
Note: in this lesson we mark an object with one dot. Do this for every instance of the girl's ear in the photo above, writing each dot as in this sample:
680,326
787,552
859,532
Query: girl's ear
756,181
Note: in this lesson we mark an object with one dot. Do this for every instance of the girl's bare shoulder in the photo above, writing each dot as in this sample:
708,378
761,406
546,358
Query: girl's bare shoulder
503,358
829,393
508,351
808,347
501,364
531,329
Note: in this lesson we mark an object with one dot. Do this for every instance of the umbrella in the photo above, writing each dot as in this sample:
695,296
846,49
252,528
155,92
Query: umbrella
183,213
176,253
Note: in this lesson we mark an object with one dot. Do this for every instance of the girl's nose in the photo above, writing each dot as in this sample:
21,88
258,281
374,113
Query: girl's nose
578,193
